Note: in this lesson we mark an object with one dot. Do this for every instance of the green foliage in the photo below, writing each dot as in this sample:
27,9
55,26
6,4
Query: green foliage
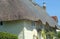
58,34
49,34
43,33
4,35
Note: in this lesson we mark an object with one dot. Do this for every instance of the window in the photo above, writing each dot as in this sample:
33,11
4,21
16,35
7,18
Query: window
1,23
33,23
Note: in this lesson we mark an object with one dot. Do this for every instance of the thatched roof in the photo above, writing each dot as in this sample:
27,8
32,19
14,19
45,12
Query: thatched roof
23,9
46,18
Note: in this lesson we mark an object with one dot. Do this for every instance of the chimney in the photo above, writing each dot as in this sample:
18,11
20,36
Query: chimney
44,5
55,18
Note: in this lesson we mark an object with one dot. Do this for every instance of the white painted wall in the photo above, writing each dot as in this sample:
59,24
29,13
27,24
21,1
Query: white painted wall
28,34
29,30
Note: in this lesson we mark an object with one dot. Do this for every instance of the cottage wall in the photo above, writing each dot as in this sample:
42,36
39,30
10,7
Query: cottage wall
14,27
39,27
30,31
25,29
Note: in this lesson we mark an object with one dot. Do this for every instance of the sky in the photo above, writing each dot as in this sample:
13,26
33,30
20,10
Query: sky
52,7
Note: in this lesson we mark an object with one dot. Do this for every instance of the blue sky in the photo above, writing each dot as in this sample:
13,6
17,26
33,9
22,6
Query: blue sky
52,7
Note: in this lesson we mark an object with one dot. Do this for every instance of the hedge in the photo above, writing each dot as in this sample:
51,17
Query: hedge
4,35
58,34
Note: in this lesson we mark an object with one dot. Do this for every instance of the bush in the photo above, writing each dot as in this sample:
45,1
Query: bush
4,35
58,34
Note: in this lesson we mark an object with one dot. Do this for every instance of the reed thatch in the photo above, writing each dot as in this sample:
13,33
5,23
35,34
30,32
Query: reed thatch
23,9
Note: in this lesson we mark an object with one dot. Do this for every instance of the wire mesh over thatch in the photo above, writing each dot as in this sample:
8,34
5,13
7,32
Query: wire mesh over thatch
23,9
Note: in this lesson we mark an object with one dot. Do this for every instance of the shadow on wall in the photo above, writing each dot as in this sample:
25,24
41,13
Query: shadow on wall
14,27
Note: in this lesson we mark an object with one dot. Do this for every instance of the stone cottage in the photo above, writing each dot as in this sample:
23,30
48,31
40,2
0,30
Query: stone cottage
24,18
